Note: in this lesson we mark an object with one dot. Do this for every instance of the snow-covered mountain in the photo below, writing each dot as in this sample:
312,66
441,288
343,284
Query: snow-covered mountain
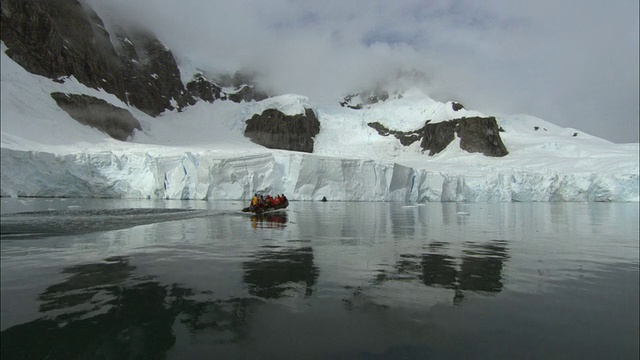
78,89
201,153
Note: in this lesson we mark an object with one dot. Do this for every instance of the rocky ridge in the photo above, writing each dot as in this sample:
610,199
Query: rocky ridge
275,130
63,38
97,113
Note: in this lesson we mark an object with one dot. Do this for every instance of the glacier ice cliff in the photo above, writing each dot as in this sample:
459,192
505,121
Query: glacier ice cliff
202,175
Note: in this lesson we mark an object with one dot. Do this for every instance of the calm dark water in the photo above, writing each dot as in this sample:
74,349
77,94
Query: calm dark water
117,279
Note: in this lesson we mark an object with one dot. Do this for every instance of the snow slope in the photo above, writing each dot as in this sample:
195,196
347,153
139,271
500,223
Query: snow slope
201,153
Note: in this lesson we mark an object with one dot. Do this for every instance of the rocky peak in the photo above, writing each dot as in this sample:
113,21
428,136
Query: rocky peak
358,100
477,134
204,89
156,73
276,130
456,106
58,38
62,38
237,88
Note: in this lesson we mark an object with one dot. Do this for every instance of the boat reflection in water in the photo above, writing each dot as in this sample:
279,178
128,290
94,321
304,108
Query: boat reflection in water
343,280
270,220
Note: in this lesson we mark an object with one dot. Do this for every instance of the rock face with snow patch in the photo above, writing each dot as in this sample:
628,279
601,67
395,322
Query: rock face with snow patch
242,89
480,134
97,113
58,38
275,130
406,138
436,137
456,106
204,89
359,100
246,93
477,134
152,79
61,38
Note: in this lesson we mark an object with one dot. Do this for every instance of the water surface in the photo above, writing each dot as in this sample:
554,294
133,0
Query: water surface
170,279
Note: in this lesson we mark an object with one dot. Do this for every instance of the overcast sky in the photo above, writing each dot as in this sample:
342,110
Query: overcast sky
571,62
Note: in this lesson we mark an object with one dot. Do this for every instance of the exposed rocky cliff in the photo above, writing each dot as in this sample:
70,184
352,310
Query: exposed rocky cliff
480,134
358,100
477,134
406,138
62,38
276,130
237,89
204,89
97,113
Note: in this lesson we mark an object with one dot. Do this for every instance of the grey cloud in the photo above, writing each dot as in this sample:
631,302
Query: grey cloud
571,62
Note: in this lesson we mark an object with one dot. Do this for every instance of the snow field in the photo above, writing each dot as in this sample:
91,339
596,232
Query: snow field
201,153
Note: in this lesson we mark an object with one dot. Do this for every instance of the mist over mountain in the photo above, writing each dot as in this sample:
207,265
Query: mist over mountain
497,58
562,61
91,108
142,72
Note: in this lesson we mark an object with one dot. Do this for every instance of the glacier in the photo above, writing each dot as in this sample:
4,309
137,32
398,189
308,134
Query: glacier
202,153
300,176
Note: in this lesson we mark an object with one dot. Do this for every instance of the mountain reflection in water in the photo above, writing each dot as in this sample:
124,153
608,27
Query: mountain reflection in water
271,273
330,280
479,269
105,311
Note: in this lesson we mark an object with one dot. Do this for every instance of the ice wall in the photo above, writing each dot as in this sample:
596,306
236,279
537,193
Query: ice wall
299,176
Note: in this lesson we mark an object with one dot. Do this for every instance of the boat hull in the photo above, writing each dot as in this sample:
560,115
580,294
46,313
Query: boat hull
262,210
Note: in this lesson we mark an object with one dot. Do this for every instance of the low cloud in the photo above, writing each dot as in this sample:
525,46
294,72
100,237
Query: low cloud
573,63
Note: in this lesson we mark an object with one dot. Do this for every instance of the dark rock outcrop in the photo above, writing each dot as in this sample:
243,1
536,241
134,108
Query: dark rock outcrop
246,93
480,134
276,130
358,100
204,89
152,79
477,134
243,85
97,113
62,38
438,136
59,38
406,137
456,106
208,90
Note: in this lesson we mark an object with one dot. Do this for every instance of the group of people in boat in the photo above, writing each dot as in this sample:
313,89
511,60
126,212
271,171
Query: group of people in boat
261,202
